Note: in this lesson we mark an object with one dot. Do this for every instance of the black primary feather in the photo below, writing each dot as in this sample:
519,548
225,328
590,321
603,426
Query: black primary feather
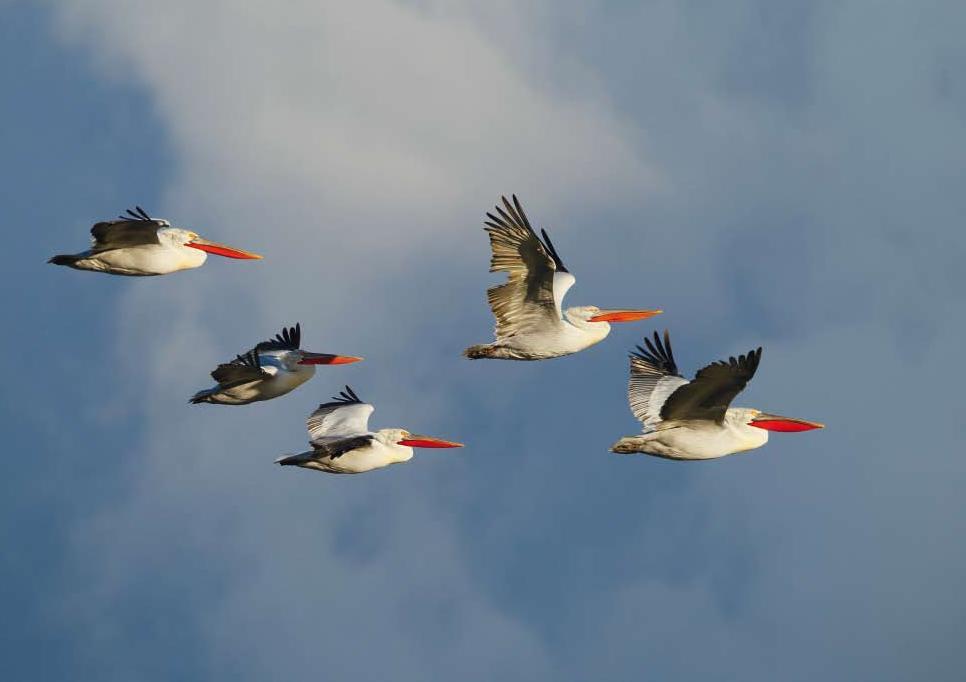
137,214
553,252
658,354
346,397
289,339
243,369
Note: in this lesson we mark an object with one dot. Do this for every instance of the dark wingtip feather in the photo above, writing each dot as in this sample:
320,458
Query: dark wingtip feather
346,396
657,353
137,214
558,261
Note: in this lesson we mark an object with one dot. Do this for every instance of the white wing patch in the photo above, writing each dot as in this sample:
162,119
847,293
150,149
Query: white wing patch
562,281
647,391
339,421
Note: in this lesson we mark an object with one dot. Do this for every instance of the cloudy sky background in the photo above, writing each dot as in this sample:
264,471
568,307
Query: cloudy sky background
779,174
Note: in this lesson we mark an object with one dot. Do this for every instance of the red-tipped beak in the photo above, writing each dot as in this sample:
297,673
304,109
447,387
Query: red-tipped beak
221,249
774,422
327,359
624,315
415,441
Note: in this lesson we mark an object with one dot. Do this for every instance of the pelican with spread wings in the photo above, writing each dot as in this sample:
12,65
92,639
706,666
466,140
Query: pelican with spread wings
139,245
343,444
270,369
530,321
693,419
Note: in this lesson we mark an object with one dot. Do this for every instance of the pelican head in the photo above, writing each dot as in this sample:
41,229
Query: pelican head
412,440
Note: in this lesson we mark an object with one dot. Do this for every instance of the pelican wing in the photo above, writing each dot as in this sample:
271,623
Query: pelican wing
709,394
289,339
530,299
242,370
136,229
335,448
654,377
346,416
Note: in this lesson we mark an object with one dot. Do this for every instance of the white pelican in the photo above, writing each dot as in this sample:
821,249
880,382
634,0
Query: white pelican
343,444
270,369
527,307
139,245
691,419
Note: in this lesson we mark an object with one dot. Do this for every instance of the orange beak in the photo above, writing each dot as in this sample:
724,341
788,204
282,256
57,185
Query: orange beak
774,422
415,441
221,249
624,315
326,359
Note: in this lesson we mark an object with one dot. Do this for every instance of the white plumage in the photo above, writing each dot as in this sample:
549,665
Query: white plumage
693,419
343,444
138,245
531,323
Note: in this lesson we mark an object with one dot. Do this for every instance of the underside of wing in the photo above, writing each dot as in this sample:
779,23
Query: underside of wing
344,417
526,301
242,370
136,229
653,377
709,394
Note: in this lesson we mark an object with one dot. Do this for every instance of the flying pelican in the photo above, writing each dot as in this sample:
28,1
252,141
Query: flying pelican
139,245
527,307
691,419
343,444
270,369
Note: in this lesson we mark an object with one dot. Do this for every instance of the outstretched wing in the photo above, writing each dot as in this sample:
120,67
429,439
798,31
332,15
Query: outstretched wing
537,280
241,370
290,338
135,229
654,377
709,394
346,416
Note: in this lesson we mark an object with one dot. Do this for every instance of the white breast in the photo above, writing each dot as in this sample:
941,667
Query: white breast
375,456
701,440
149,259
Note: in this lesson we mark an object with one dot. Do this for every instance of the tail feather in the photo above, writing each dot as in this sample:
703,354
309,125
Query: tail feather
292,460
201,397
477,352
63,259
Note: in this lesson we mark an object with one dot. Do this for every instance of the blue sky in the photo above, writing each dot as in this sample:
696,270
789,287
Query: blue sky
784,174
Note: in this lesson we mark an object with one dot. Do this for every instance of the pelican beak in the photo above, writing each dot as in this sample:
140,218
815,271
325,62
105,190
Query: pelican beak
415,441
221,249
774,422
624,315
326,359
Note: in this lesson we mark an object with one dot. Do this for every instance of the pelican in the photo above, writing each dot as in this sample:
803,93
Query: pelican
692,419
139,245
343,444
270,369
527,307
